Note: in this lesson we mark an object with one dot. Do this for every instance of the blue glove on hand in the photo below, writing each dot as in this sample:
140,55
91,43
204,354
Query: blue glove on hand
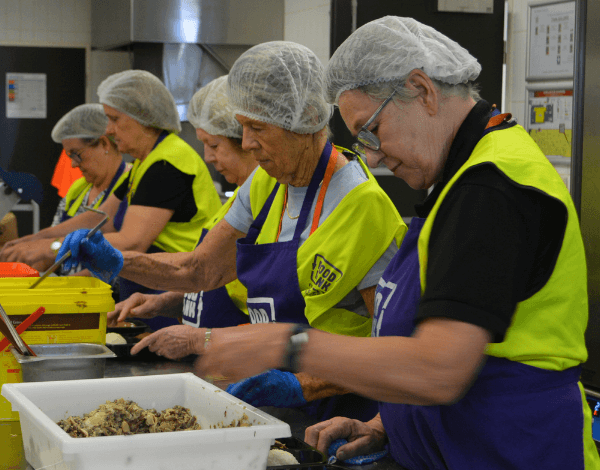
272,388
358,460
95,254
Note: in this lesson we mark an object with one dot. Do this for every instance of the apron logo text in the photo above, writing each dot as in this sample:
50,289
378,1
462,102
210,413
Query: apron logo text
323,275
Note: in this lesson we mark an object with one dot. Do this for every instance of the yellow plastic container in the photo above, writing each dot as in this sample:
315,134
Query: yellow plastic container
11,446
76,309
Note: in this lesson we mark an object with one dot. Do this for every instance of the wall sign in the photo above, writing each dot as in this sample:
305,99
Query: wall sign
26,95
551,40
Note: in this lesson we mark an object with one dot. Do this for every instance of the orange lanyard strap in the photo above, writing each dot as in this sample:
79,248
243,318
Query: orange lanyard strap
320,199
326,179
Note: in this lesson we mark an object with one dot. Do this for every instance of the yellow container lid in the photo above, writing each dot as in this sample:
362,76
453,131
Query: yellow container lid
65,294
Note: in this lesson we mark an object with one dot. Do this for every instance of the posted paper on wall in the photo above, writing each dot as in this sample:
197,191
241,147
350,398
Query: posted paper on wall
26,95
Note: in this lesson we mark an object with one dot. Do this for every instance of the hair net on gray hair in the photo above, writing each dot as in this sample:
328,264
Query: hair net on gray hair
86,121
211,111
142,96
280,83
390,48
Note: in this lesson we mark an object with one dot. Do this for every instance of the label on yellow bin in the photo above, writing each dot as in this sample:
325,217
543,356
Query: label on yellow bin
76,310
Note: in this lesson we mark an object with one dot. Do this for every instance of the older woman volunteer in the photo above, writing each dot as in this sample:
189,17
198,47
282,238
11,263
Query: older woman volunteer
82,134
306,252
212,115
168,195
481,369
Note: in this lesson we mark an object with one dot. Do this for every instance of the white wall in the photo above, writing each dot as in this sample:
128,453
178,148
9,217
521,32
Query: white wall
516,59
67,23
59,23
307,22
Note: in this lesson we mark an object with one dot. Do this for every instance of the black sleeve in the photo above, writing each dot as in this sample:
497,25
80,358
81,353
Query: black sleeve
166,187
121,190
493,244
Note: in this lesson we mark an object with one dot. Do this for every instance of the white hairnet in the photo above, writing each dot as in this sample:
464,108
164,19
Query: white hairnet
390,48
280,83
142,96
86,121
211,111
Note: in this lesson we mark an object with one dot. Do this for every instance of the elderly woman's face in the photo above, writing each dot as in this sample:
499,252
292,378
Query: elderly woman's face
228,158
278,151
125,130
90,159
411,148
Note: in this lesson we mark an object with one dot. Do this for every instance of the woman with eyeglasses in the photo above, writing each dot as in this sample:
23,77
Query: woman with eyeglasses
82,134
168,195
298,235
478,332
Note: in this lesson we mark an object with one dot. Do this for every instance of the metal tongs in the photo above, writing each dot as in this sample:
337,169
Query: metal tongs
62,259
7,328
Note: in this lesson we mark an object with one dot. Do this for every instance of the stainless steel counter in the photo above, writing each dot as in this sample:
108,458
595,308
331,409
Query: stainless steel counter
297,420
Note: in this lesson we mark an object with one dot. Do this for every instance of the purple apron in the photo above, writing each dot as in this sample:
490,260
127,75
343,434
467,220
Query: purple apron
509,406
270,273
211,309
127,287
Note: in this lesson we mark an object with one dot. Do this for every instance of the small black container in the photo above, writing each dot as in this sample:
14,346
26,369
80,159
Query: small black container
308,456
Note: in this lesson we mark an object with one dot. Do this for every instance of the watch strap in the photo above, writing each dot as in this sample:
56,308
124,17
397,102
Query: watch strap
293,348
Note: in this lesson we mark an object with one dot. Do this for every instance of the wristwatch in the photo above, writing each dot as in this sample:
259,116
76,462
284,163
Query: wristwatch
55,246
291,358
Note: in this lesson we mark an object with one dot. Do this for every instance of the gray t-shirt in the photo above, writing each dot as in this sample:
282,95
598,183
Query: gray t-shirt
342,182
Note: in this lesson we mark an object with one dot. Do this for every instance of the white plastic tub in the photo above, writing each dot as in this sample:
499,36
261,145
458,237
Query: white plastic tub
47,446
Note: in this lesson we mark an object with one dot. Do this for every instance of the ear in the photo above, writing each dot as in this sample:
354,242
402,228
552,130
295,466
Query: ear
429,95
105,143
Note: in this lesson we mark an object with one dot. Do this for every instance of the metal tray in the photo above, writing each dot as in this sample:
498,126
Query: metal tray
72,361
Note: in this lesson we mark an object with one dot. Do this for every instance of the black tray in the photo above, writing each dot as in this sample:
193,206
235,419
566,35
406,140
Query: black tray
123,351
140,327
308,456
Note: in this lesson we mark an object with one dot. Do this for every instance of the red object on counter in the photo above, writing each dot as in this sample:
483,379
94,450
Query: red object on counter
17,270
4,343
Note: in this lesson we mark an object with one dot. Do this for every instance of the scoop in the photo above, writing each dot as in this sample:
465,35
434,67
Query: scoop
8,330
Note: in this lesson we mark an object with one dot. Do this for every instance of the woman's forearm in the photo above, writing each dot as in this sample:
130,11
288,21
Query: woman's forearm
210,266
435,366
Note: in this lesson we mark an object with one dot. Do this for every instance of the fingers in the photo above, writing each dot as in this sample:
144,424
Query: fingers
144,343
311,434
321,435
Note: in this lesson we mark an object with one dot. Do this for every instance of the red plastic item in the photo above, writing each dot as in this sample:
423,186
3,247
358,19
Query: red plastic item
17,270
4,343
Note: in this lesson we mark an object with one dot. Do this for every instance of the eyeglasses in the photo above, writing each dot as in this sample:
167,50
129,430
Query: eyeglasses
76,156
366,139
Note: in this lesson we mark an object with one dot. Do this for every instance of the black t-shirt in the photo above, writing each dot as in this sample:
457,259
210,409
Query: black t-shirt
166,187
493,244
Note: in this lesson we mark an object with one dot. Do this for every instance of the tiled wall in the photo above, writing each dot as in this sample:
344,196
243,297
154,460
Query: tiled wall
56,23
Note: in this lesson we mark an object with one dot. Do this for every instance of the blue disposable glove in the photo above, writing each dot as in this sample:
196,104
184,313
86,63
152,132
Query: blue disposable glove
95,254
272,388
358,460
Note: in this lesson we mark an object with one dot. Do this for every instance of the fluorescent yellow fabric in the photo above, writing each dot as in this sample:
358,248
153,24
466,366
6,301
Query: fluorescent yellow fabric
79,190
348,243
236,290
181,236
547,330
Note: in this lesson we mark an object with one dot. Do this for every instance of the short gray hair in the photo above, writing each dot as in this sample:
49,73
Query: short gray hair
380,91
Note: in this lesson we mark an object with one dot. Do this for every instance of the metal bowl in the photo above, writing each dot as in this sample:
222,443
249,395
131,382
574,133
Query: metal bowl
72,361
